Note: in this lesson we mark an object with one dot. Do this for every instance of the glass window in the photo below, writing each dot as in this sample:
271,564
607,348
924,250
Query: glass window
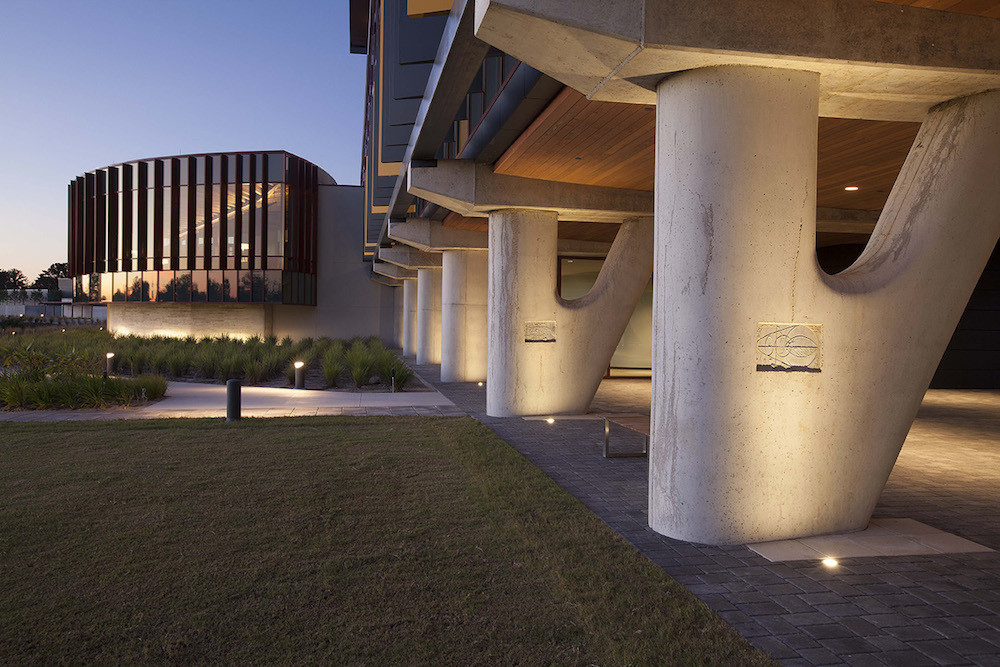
275,167
215,286
229,286
168,286
199,286
169,232
182,227
151,240
272,286
275,222
258,176
258,217
258,287
244,293
120,283
150,289
199,169
184,171
134,286
230,168
94,292
232,206
167,172
104,285
135,227
247,171
217,207
199,227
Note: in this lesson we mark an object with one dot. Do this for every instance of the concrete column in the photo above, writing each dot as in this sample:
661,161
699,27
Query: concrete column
547,355
428,316
463,315
781,395
410,317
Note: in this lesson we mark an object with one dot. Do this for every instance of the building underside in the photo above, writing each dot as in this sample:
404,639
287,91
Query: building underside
784,210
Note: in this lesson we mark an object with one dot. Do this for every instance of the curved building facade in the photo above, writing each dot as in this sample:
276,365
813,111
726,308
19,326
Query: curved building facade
219,243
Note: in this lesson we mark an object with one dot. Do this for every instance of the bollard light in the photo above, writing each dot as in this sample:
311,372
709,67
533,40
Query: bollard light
550,420
107,368
480,384
233,400
300,375
830,562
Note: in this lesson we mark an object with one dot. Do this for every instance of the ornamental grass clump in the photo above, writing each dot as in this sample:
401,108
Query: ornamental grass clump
205,360
333,363
360,363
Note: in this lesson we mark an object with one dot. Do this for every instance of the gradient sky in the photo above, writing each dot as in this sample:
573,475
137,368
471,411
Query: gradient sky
86,84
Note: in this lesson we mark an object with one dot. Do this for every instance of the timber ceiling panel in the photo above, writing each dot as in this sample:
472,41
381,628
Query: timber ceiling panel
608,143
988,8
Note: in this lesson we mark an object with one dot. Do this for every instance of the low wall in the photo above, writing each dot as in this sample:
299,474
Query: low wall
201,320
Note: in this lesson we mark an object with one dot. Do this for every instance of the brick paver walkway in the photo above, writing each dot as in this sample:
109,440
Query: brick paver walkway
917,610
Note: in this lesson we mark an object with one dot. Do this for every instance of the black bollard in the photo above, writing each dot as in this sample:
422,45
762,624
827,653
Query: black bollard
233,400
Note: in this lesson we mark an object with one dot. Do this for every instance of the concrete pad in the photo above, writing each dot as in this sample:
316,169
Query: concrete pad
883,537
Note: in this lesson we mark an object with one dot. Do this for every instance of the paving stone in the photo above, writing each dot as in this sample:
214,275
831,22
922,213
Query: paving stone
802,612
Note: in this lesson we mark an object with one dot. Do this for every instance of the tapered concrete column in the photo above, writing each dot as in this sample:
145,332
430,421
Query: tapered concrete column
410,317
781,395
428,316
463,315
547,355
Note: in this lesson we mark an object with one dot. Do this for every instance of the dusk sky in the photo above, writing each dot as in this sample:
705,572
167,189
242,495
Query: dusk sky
88,84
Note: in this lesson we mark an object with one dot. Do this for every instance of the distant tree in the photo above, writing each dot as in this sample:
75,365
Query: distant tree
12,279
49,278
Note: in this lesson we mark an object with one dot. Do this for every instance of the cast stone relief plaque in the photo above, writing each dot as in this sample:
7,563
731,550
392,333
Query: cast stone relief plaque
541,331
783,346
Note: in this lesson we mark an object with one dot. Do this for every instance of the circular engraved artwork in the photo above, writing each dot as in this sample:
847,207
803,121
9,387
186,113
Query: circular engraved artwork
785,346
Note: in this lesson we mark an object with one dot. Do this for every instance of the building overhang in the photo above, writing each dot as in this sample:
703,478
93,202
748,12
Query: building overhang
392,271
473,190
876,61
431,236
410,258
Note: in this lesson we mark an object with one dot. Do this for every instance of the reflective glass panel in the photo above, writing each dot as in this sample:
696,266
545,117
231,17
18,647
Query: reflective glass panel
231,206
215,286
275,221
272,286
151,240
120,282
150,287
245,204
199,169
182,227
104,285
230,282
258,216
275,167
199,226
244,293
135,227
168,286
199,286
167,227
217,248
135,286
258,286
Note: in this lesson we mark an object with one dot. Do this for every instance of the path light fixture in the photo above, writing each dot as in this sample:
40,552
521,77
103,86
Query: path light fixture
480,384
550,420
300,375
830,562
107,368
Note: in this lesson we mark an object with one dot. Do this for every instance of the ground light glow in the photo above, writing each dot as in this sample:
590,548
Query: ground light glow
830,562
480,384
851,188
550,420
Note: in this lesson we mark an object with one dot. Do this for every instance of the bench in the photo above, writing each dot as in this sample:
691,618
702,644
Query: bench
633,422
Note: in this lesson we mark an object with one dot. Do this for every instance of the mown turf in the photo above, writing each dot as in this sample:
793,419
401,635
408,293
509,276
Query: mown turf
344,540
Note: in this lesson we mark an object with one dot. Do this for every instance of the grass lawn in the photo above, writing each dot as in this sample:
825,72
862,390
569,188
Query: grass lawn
347,540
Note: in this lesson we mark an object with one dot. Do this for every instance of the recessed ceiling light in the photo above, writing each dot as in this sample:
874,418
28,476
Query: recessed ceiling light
830,562
851,188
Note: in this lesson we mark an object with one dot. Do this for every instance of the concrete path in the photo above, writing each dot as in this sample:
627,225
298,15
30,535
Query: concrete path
927,609
190,399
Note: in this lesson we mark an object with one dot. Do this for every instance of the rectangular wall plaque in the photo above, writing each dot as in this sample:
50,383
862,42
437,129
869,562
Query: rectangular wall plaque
784,346
542,331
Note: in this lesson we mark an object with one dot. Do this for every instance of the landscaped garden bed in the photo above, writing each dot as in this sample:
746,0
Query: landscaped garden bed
65,368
